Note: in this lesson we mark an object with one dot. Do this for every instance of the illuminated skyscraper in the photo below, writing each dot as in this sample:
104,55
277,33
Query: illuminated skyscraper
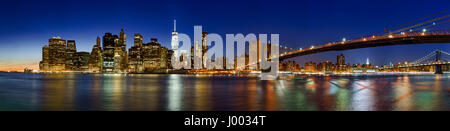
310,66
96,60
81,61
115,57
174,43
71,49
151,55
135,63
340,59
123,40
98,41
340,63
204,49
138,40
57,54
44,64
108,52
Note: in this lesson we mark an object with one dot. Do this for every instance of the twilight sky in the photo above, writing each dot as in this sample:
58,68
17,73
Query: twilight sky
26,25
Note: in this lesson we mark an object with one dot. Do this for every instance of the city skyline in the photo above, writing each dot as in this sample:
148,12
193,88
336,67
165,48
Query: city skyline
23,33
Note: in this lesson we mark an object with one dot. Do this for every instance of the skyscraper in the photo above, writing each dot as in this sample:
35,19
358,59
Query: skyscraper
138,40
81,61
174,42
310,66
123,40
57,54
96,60
98,41
115,56
151,55
120,53
108,52
71,49
340,59
204,49
197,55
135,63
44,64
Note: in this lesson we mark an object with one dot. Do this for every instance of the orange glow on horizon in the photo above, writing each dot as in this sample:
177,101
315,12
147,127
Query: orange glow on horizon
19,67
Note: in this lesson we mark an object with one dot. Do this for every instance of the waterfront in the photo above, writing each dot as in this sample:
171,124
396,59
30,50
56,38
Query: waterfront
173,92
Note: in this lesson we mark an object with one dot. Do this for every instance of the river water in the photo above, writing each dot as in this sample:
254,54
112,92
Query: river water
174,92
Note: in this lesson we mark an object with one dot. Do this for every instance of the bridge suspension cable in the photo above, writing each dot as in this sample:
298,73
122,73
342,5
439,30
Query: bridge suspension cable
388,30
424,27
422,23
412,21
424,58
444,52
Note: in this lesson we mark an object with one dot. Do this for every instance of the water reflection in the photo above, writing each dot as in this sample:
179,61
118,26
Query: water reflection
199,92
175,93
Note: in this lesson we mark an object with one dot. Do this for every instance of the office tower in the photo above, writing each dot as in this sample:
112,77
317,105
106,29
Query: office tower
310,66
120,52
108,52
108,40
81,61
57,54
138,40
135,63
44,64
254,51
340,63
197,55
96,60
204,49
289,66
325,66
174,42
117,52
71,49
340,59
115,56
163,60
98,41
123,40
151,55
169,59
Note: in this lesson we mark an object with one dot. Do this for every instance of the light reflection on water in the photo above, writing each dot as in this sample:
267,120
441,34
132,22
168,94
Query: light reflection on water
174,92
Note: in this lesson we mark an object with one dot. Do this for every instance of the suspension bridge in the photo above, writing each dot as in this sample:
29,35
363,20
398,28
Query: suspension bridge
397,35
404,34
435,58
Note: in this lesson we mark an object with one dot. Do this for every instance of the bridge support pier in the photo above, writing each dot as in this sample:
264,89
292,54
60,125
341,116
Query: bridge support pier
438,69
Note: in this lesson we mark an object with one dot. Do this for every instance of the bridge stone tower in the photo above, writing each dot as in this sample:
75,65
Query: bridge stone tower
438,66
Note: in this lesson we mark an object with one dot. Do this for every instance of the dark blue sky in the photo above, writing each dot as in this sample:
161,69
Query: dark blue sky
26,25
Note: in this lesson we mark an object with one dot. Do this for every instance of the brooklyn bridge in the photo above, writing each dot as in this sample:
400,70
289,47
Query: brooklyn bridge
424,30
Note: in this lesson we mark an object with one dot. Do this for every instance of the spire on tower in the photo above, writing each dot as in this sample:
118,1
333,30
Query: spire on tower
367,61
98,41
175,25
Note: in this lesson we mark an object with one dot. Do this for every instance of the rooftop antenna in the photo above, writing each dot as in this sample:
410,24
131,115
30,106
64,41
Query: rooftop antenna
175,25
